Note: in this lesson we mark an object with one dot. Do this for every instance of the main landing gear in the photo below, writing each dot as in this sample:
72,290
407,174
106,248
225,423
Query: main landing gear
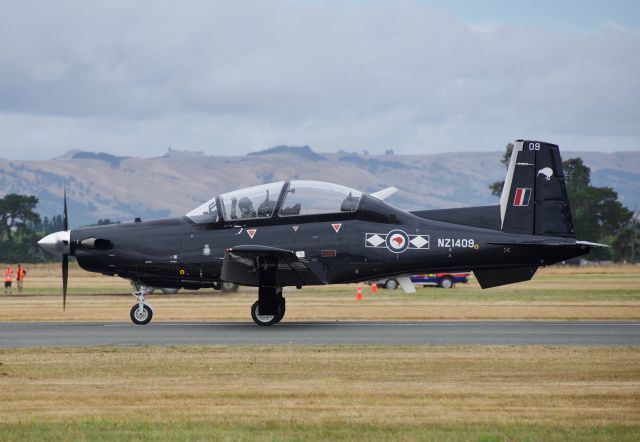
141,313
270,307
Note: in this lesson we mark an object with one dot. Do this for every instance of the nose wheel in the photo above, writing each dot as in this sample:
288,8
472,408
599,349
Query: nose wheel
141,317
141,313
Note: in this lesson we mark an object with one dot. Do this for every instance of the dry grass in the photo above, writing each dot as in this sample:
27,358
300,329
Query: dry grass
593,269
599,292
304,306
365,385
327,393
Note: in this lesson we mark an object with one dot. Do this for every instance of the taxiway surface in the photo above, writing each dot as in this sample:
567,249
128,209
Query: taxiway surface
601,333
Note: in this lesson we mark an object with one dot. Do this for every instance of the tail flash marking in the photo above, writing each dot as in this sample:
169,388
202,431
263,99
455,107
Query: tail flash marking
522,197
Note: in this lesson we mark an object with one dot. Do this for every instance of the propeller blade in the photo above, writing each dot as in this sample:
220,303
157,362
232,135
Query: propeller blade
65,219
65,276
65,258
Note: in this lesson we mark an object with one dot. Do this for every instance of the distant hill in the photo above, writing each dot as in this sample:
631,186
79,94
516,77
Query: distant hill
120,188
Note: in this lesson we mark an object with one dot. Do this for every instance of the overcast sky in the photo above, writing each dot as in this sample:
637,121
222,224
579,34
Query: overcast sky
229,77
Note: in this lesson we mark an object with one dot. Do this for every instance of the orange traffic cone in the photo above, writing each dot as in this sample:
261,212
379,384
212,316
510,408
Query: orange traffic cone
359,292
374,287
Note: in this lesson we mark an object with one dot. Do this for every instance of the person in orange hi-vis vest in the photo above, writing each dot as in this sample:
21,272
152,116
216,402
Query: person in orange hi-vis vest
20,274
8,279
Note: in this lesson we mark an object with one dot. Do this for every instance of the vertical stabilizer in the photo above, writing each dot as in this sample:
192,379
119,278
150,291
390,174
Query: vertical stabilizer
534,197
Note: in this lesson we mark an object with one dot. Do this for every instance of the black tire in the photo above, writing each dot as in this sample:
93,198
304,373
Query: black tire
264,320
282,310
229,287
391,284
141,319
446,282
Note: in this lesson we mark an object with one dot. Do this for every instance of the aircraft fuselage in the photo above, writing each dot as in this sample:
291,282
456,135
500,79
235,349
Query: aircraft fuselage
375,241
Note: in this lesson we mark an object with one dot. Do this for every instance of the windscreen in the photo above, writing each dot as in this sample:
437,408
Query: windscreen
205,213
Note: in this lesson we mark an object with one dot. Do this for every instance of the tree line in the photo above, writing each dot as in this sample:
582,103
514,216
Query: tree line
21,228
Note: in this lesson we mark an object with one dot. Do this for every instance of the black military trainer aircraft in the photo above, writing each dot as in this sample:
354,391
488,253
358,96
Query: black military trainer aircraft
298,233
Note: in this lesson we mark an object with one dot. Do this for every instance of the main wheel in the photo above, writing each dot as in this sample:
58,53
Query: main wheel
281,310
391,284
266,319
446,282
141,317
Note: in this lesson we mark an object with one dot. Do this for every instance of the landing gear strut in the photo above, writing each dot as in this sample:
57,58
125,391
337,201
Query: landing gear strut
141,313
270,307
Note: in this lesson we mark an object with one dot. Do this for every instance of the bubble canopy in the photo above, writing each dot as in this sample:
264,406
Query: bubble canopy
282,199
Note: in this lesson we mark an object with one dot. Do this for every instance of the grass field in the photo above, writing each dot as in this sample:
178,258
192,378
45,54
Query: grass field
470,393
602,292
349,393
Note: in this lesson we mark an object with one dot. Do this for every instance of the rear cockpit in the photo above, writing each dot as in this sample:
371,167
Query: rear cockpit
282,199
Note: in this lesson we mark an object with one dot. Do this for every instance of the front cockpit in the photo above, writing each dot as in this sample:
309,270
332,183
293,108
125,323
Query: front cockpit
282,199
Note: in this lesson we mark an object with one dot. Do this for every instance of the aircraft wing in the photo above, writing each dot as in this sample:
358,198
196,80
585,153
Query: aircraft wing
245,264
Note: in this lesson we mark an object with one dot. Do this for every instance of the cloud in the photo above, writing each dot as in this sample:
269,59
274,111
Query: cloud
228,77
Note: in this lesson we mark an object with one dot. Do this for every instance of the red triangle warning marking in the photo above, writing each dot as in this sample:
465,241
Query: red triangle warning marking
251,232
336,227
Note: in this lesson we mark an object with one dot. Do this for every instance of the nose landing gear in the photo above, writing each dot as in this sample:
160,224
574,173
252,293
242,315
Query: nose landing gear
141,313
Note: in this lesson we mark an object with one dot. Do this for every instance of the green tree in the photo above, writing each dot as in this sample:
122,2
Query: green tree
103,222
626,245
55,224
496,188
18,225
597,214
106,221
17,215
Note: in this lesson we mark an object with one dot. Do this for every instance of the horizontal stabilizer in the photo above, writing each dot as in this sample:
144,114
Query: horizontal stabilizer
494,277
590,244
548,242
531,243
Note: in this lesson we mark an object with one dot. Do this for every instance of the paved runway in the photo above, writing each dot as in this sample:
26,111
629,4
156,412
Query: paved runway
602,333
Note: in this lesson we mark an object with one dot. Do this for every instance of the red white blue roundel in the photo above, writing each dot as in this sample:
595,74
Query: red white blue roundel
397,241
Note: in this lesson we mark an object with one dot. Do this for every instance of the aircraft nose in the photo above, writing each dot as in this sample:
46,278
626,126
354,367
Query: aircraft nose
56,243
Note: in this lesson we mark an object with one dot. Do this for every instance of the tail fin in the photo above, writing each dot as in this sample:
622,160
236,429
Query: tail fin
534,197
